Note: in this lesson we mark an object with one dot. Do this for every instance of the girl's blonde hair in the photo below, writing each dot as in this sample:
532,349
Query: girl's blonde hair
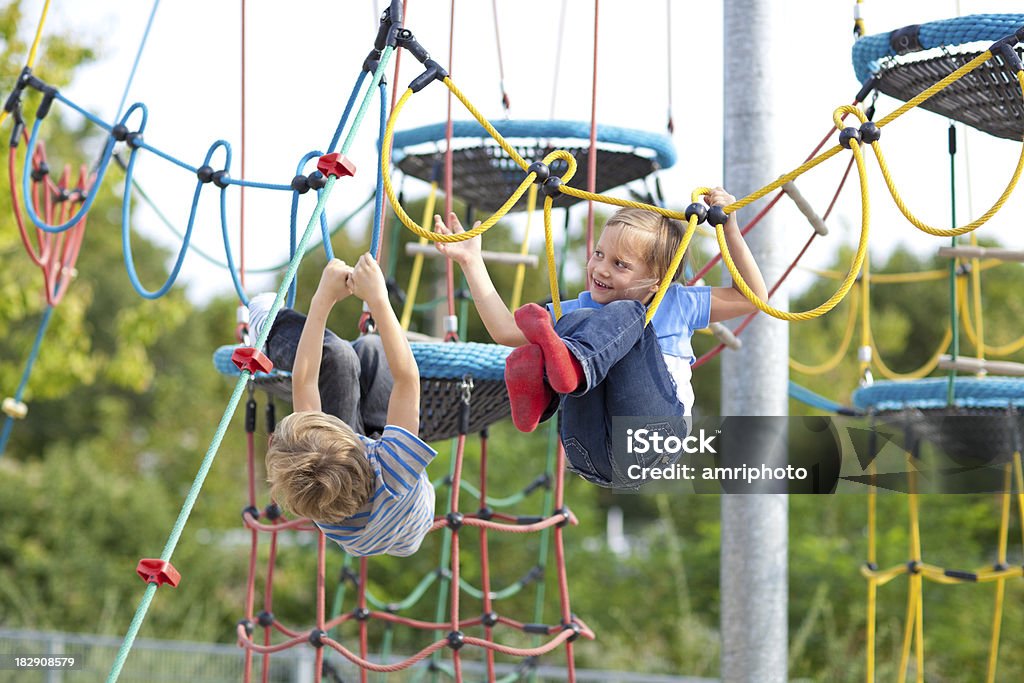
317,467
653,237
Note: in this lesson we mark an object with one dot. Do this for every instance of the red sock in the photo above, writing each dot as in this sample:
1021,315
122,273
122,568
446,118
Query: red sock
527,391
564,372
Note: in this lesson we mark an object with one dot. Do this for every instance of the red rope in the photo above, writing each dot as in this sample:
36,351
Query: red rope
55,254
485,562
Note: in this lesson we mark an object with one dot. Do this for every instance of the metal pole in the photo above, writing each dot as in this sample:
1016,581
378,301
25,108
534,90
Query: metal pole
754,571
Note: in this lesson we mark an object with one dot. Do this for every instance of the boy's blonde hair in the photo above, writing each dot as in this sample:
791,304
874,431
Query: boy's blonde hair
317,467
651,236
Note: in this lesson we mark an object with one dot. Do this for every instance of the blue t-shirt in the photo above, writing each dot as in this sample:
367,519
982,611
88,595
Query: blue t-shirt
683,310
400,511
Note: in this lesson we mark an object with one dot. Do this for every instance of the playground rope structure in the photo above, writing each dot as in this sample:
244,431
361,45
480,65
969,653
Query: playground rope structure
331,166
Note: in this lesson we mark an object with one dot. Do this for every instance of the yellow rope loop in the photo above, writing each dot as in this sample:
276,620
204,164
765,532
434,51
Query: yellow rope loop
922,371
568,158
844,287
407,221
844,346
841,112
951,232
417,263
984,349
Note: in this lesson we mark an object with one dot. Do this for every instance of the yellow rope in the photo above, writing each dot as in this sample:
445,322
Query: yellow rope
903,278
524,249
549,250
844,346
1001,350
952,232
1004,532
838,116
976,282
31,61
417,263
920,372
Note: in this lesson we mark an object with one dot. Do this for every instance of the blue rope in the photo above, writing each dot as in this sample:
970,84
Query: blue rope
227,240
138,57
661,145
931,393
26,177
325,233
168,157
33,354
348,110
869,51
126,247
378,205
95,120
808,397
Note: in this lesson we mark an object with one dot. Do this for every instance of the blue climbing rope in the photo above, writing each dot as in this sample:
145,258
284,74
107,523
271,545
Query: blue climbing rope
33,354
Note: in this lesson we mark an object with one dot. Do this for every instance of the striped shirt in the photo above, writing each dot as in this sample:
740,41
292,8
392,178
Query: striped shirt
400,511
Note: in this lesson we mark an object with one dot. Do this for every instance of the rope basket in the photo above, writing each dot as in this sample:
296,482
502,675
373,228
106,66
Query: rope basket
909,60
983,423
446,371
487,176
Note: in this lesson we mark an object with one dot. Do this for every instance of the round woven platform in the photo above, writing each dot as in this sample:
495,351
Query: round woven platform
909,60
443,368
984,422
485,176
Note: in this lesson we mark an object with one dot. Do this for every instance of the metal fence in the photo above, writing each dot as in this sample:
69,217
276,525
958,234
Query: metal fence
174,661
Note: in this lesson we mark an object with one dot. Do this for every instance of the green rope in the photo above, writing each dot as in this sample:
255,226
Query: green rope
211,453
953,319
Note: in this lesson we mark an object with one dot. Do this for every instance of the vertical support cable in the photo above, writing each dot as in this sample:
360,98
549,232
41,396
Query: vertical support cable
669,39
505,103
954,323
448,199
241,171
592,152
382,255
558,58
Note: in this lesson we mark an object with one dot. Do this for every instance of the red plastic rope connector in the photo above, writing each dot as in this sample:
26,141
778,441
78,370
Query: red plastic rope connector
248,358
158,571
336,164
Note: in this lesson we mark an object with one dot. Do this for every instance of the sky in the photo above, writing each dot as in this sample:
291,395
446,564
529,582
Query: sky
301,61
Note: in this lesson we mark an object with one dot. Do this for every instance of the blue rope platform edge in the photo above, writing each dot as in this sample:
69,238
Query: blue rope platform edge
930,393
870,50
661,145
440,360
